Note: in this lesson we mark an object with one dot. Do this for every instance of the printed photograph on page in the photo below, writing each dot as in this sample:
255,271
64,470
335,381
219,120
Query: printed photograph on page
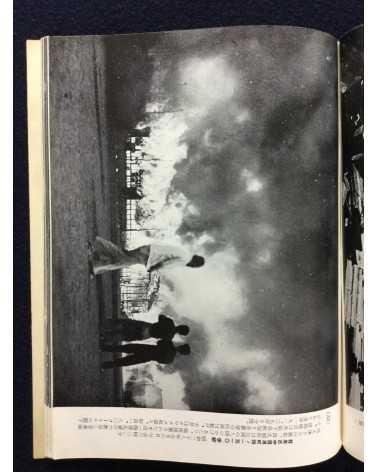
193,206
352,105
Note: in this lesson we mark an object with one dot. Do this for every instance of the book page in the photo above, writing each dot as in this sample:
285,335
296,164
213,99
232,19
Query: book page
37,242
352,119
194,233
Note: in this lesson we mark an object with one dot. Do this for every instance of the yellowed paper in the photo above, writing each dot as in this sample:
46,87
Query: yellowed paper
78,106
353,432
134,434
37,238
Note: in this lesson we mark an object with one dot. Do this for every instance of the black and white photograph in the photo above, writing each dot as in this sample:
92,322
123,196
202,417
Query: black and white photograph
352,103
193,228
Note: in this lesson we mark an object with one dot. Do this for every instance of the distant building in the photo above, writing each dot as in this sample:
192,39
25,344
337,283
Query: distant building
129,176
139,290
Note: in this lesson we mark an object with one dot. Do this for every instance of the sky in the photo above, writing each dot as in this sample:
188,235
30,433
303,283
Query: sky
246,177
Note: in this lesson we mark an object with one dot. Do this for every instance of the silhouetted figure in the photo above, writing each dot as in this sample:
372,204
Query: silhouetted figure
164,352
360,371
137,330
106,256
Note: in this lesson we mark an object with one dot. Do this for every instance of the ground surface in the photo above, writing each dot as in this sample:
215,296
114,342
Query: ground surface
81,204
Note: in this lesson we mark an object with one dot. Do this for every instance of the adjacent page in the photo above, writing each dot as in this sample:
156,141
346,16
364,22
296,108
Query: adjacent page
352,119
193,246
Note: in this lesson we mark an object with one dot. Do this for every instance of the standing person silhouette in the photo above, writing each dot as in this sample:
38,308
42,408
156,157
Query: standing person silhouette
164,352
104,256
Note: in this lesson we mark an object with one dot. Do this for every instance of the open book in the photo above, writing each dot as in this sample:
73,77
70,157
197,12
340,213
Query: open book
196,212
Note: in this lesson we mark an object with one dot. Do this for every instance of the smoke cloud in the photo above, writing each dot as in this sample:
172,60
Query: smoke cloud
243,133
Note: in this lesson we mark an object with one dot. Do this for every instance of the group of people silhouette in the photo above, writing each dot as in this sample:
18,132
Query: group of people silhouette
163,351
105,256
